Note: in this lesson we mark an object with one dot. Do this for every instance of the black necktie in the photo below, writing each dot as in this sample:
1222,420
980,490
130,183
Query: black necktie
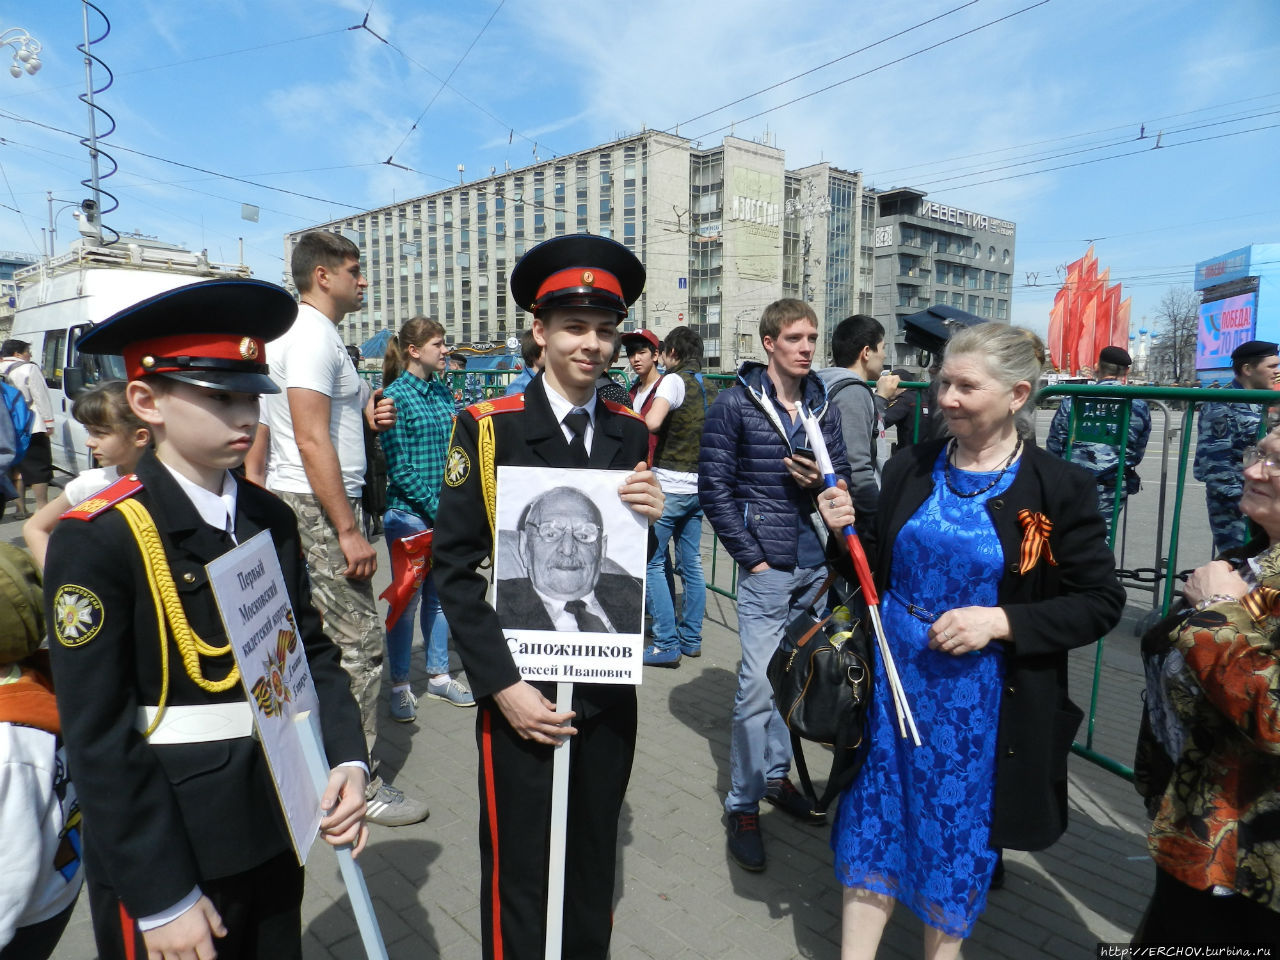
576,420
588,622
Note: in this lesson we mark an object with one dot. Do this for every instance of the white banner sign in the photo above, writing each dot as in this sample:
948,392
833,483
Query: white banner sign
569,575
248,585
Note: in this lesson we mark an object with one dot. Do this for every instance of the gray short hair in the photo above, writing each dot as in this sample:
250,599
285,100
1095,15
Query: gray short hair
1010,354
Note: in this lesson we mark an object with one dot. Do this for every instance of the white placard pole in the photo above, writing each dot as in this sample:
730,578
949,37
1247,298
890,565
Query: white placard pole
559,831
361,905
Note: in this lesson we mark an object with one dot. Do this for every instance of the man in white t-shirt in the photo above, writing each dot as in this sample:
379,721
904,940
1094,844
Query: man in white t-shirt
317,465
675,417
36,469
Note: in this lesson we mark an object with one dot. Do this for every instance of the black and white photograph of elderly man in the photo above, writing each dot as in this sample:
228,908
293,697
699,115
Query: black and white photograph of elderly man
569,558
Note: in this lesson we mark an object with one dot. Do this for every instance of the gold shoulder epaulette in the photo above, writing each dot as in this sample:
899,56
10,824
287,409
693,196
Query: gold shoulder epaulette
122,489
487,408
621,408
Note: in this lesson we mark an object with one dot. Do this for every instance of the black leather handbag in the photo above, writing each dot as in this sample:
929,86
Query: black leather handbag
822,681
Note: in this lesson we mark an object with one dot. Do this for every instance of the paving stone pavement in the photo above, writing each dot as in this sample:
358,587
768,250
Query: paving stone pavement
678,895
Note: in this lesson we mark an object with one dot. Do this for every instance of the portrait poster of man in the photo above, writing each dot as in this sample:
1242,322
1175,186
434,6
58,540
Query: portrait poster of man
569,575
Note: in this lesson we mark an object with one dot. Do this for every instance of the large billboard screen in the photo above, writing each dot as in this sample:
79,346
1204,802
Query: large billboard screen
1229,266
1224,325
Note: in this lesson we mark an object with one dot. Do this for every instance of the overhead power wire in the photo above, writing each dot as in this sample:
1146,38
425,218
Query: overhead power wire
443,83
512,131
823,66
1101,146
122,74
14,208
883,66
187,166
1074,136
1116,156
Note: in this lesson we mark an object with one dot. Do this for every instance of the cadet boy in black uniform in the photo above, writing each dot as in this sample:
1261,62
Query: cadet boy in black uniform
578,289
186,851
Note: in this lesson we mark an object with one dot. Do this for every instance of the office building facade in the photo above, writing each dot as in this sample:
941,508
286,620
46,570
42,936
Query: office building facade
722,231
928,253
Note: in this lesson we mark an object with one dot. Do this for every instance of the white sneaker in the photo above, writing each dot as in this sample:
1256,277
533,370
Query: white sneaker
454,692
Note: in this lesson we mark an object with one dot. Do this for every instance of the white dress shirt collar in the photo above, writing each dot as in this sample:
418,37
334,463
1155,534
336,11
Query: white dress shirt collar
561,408
216,509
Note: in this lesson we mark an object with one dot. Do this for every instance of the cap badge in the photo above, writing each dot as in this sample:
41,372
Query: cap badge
588,277
148,362
248,348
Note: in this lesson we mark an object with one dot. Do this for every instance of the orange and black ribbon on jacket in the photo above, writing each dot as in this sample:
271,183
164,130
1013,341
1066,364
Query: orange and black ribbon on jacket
1035,540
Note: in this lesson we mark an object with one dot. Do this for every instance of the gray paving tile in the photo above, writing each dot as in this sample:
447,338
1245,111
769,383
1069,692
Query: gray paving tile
679,897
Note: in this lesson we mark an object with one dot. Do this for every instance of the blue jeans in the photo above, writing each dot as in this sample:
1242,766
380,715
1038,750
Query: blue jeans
759,743
396,525
681,521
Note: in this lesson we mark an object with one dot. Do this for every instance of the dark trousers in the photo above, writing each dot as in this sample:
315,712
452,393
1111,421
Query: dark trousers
261,909
515,818
37,941
1184,916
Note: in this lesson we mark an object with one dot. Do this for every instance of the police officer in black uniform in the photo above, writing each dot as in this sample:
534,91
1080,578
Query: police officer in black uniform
186,849
578,289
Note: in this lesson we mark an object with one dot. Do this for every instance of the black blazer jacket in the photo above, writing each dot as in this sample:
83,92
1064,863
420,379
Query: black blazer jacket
619,596
159,819
526,434
1051,609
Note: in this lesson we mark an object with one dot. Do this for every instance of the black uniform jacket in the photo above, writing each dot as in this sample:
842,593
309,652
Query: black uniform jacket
1051,609
619,596
526,435
159,819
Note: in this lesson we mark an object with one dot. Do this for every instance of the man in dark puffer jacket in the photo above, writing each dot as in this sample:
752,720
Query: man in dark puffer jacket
760,499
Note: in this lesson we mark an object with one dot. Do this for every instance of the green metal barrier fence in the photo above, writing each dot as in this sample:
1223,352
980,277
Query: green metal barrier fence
1165,573
1161,576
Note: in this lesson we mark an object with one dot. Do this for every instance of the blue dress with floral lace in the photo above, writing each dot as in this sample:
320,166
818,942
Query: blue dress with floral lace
916,822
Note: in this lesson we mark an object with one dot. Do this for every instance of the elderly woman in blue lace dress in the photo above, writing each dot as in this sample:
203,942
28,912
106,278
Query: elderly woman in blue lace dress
992,562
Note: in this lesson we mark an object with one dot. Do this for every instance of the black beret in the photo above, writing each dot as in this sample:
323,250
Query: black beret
1253,350
1115,355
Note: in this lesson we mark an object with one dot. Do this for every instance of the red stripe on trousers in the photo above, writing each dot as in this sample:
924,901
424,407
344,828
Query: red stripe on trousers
126,933
491,800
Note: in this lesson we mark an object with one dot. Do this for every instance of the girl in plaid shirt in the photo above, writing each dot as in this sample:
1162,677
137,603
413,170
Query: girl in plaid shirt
415,449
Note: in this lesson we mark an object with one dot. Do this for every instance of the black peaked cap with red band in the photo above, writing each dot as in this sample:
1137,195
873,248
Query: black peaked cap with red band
211,334
579,270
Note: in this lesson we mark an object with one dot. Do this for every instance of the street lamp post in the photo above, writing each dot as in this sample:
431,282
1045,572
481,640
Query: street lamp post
26,49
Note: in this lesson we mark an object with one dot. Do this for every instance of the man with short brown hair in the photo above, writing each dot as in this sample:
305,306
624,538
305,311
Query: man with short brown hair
758,489
317,466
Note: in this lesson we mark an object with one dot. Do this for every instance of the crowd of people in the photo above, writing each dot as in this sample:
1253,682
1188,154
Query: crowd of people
989,553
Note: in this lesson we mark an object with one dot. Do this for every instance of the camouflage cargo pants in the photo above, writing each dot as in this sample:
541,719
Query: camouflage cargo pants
347,606
1107,505
1230,527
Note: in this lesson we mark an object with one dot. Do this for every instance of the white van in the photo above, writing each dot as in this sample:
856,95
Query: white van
60,299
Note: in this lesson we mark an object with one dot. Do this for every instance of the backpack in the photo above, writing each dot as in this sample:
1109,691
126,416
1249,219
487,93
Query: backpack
21,416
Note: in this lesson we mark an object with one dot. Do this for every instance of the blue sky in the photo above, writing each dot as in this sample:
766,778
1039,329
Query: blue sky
281,94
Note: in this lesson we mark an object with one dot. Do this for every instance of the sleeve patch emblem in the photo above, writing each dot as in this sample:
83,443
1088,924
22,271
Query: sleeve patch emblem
77,615
457,468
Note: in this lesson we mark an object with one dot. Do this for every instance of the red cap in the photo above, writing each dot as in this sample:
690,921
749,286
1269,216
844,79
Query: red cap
648,336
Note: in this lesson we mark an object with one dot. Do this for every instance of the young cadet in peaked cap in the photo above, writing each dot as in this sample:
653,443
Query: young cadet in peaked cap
578,289
186,851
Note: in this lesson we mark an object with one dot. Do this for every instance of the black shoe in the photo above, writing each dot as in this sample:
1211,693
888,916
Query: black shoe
784,795
746,848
